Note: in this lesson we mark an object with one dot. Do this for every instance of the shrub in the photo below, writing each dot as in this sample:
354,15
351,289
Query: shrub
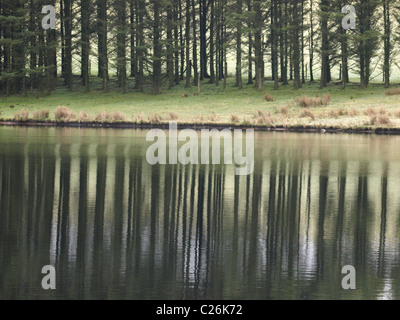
63,114
306,113
267,97
392,92
22,115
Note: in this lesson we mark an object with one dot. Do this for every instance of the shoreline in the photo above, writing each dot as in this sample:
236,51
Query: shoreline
198,126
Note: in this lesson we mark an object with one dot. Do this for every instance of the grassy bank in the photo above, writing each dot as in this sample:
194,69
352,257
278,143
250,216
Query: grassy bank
331,107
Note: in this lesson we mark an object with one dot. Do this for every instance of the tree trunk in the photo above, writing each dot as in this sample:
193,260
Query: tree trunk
212,72
387,46
187,45
140,49
303,79
121,44
239,11
182,47
324,44
68,43
132,15
203,38
274,43
258,44
311,41
296,44
156,88
102,41
250,52
85,16
284,46
194,52
170,52
176,41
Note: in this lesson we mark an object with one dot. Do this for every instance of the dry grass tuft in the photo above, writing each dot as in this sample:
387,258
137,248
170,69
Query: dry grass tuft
285,110
343,112
379,120
308,102
173,116
64,114
117,116
269,98
396,113
184,95
306,113
200,118
382,110
234,118
261,118
392,92
114,116
370,112
83,117
36,115
41,115
139,117
333,114
155,118
326,99
354,112
213,117
102,116
22,115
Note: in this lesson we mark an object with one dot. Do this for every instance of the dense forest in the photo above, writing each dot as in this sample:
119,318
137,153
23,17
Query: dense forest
161,43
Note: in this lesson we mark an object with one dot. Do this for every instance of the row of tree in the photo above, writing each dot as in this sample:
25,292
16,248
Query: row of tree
164,42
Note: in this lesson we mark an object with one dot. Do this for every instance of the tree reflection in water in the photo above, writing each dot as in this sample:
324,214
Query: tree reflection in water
87,202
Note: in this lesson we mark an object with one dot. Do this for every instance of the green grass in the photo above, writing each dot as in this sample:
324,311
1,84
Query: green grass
215,104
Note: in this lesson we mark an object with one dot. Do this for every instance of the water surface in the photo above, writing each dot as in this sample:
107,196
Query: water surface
114,227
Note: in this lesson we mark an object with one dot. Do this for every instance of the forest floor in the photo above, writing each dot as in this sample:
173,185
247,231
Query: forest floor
352,108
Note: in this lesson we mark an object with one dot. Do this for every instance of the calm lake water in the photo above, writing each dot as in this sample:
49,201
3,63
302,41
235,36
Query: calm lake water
114,227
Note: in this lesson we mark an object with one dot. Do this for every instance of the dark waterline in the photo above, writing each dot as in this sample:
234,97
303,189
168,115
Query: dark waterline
87,202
